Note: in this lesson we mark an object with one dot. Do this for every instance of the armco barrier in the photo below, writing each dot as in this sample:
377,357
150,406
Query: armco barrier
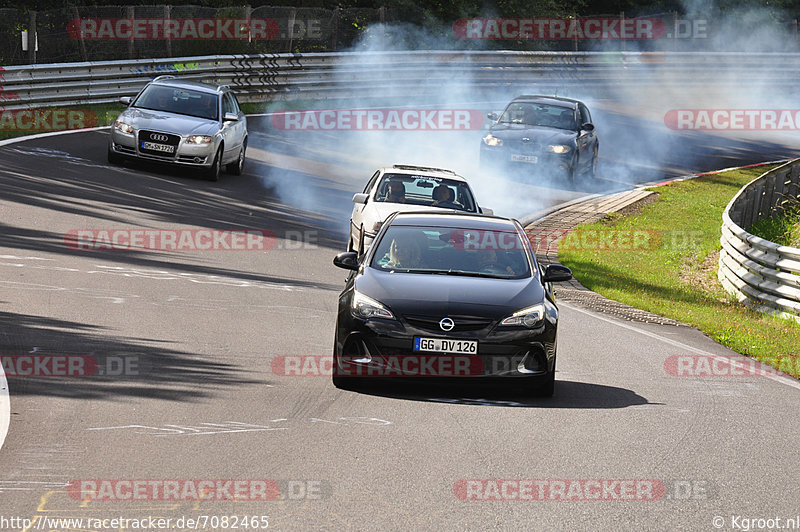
347,74
762,274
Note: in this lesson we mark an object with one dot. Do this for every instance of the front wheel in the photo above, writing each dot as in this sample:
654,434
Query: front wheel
212,174
236,168
545,385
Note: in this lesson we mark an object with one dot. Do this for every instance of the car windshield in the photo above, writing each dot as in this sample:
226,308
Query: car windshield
181,101
539,114
425,190
451,251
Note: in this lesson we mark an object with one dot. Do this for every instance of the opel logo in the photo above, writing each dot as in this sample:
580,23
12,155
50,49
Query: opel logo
158,138
447,324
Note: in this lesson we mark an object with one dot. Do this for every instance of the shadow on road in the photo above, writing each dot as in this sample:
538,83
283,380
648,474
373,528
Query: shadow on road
104,366
568,394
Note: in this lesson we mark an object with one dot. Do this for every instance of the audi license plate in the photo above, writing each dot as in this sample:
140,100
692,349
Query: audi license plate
166,148
442,345
524,158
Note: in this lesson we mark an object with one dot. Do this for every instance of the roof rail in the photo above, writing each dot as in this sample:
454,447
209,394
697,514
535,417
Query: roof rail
423,168
165,76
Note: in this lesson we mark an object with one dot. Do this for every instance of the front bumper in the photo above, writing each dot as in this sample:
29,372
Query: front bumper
385,348
196,155
501,158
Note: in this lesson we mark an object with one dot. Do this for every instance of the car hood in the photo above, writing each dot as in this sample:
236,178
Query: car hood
539,133
447,295
168,122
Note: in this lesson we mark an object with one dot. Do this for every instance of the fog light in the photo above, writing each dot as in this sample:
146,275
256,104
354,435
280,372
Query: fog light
531,363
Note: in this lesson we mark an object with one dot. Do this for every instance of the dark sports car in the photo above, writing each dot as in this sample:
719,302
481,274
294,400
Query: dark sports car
543,136
447,295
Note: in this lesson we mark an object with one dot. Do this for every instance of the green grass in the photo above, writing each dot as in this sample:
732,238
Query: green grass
783,229
673,272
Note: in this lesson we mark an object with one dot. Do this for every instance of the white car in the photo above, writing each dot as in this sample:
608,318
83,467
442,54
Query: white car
404,188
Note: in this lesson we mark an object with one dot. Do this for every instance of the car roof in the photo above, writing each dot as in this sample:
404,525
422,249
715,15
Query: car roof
172,81
422,171
454,219
538,98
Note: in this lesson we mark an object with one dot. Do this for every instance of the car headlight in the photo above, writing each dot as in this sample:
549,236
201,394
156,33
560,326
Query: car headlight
491,140
559,148
199,139
528,317
366,307
123,127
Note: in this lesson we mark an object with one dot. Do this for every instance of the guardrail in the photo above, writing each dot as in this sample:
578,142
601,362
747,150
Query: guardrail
348,74
762,274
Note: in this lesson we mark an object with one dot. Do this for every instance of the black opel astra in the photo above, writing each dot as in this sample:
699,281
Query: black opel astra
447,295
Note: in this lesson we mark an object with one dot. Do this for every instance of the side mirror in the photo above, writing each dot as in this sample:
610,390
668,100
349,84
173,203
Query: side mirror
587,127
360,198
347,260
125,100
485,210
556,273
491,116
231,117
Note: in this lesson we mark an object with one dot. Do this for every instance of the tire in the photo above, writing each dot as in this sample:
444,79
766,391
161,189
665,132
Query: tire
237,167
114,158
593,169
212,174
545,386
344,383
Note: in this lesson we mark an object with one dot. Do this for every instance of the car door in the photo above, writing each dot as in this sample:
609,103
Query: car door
357,217
231,130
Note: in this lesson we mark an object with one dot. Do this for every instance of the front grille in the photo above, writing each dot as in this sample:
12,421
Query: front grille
157,137
462,323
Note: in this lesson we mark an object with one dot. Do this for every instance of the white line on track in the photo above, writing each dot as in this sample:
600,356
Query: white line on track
788,381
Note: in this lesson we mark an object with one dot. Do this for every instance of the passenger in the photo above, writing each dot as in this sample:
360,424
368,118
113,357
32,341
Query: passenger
405,252
443,196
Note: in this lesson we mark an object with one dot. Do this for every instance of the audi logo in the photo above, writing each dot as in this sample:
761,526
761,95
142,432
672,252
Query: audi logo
447,324
158,137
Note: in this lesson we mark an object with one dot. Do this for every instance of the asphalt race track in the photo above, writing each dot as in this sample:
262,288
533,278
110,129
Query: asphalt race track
192,382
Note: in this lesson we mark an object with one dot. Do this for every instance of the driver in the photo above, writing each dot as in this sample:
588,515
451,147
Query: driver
488,262
397,192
